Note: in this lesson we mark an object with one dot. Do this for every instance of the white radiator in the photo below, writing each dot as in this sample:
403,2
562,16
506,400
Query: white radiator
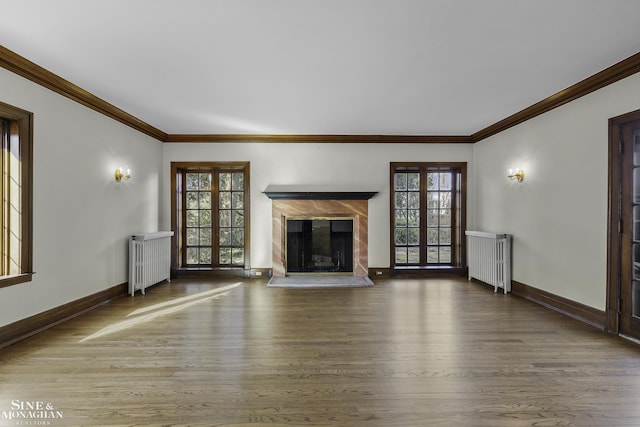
149,260
489,258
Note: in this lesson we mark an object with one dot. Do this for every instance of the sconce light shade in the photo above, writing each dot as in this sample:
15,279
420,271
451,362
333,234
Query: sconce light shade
518,174
122,173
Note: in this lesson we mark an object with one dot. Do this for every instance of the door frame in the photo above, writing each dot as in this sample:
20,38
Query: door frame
615,223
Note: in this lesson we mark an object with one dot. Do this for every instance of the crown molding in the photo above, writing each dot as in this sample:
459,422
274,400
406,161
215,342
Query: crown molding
366,139
31,71
625,68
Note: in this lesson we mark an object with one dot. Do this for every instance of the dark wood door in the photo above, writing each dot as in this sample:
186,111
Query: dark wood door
625,193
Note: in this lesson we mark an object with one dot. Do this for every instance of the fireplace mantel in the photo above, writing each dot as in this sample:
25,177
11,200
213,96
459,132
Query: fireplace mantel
307,193
300,204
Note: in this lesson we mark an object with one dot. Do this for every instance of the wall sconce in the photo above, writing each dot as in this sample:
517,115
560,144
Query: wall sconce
518,174
122,173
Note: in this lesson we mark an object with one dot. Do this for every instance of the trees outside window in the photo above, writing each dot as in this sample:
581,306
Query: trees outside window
211,214
427,214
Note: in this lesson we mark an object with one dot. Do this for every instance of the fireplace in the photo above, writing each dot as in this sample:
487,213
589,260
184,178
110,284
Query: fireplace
319,246
290,203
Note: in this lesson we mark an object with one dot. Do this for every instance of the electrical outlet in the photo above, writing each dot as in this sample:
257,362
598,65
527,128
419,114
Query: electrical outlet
378,273
258,273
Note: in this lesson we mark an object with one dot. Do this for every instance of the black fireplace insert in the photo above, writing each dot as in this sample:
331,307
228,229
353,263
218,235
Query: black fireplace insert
319,245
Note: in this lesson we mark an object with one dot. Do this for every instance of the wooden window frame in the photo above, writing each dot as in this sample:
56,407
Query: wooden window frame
177,264
458,226
22,121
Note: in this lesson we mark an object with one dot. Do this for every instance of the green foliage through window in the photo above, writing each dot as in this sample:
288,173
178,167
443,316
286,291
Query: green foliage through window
426,214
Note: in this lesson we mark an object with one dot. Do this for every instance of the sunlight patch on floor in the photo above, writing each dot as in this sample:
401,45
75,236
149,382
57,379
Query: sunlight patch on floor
172,306
180,300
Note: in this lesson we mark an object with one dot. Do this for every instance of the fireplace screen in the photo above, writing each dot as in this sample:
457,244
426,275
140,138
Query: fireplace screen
319,245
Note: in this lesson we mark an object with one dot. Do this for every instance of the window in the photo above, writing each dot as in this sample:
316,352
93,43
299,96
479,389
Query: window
211,214
16,222
427,214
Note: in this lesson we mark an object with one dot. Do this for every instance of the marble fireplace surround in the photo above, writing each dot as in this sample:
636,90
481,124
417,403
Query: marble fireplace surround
292,203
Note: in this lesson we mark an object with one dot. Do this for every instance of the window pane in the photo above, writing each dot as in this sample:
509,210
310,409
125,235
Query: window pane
401,236
413,200
401,200
225,256
192,200
432,217
237,255
400,181
205,200
433,199
445,181
635,298
432,255
192,218
445,217
445,236
636,223
432,181
413,236
237,237
192,236
401,255
225,218
445,254
401,218
205,255
432,236
205,218
635,248
237,183
225,200
224,181
192,181
225,237
205,181
238,219
192,255
413,181
237,200
445,199
205,237
414,256
413,218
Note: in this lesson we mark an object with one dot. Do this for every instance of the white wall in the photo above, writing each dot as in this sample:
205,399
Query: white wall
558,215
82,217
347,167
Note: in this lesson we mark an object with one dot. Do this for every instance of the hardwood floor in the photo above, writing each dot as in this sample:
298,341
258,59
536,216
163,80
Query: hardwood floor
442,352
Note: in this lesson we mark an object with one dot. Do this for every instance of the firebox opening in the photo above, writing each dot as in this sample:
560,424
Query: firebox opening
319,245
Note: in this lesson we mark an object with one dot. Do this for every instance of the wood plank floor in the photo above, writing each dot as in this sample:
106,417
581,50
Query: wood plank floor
401,353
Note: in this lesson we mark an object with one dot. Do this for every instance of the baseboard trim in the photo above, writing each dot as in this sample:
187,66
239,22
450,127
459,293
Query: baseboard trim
576,310
258,273
379,273
30,326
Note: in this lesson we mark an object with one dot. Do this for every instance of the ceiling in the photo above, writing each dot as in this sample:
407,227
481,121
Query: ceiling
350,67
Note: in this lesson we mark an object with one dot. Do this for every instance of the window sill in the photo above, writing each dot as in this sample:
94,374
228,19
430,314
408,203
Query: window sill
6,281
